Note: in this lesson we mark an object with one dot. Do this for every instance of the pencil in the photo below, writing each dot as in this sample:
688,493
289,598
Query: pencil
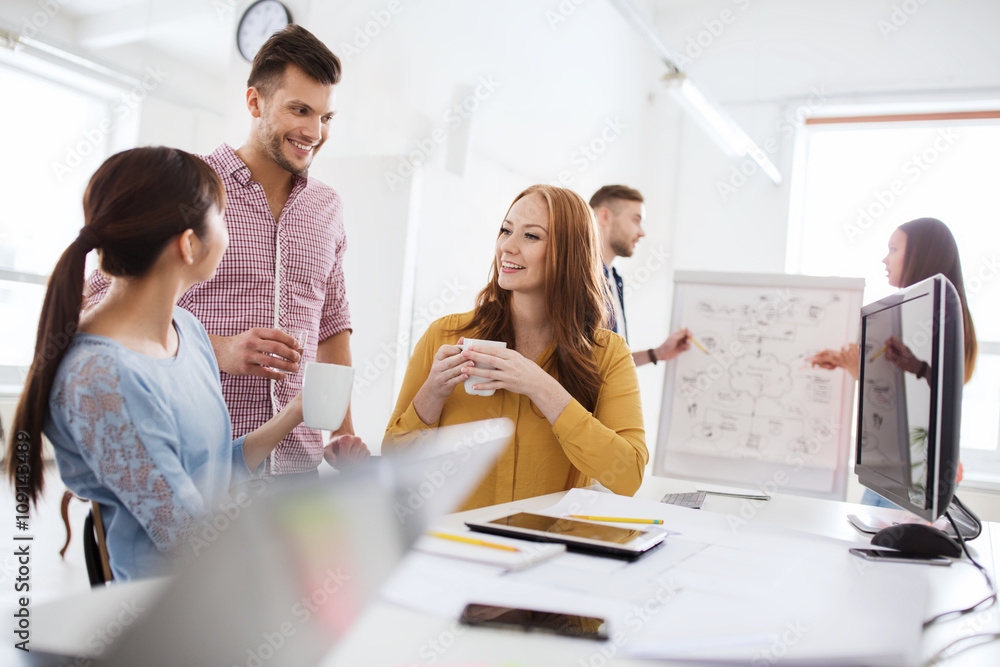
619,519
695,341
471,540
878,354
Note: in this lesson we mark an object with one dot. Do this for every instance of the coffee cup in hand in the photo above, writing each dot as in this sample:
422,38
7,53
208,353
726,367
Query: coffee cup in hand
326,395
475,379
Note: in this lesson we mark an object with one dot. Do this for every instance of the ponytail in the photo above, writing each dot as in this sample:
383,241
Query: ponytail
135,203
58,322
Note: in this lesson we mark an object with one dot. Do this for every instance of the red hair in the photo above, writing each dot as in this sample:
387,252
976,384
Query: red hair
574,291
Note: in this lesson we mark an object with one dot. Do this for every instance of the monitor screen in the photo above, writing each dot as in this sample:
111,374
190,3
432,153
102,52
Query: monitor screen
911,376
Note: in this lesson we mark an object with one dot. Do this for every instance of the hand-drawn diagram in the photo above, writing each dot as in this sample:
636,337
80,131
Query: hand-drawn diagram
753,395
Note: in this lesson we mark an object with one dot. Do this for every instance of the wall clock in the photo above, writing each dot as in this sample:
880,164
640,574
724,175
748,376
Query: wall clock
260,20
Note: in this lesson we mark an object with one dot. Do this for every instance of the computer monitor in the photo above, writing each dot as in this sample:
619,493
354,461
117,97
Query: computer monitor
912,361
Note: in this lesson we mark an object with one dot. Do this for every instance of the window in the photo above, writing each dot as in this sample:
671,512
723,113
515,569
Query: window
58,129
857,181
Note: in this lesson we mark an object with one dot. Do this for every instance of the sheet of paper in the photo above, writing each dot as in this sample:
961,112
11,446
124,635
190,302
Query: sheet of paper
526,555
443,586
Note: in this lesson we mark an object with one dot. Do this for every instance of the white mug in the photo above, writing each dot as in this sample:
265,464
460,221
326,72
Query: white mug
326,395
475,379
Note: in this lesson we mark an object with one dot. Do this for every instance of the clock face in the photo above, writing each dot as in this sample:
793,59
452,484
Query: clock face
261,20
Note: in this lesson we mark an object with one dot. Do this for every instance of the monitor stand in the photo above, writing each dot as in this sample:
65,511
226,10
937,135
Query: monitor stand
967,522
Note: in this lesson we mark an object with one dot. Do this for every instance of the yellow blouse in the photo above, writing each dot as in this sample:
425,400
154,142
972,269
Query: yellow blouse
608,445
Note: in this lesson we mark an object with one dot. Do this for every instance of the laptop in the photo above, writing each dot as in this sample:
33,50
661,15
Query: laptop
281,585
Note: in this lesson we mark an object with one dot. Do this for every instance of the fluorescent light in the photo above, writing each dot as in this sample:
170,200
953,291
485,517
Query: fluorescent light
45,50
710,116
730,138
728,135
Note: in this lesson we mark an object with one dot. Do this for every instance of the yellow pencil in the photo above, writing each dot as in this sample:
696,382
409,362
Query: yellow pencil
695,341
471,540
619,519
878,354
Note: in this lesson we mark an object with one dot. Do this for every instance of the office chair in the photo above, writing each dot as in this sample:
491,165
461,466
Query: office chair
68,496
95,549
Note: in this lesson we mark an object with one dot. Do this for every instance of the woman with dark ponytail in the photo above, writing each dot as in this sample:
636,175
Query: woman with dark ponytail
128,392
918,249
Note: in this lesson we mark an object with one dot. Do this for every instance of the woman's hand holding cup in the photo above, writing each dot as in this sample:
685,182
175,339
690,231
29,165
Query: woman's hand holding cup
448,370
480,346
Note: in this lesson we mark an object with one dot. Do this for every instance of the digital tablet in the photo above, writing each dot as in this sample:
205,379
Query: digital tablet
584,536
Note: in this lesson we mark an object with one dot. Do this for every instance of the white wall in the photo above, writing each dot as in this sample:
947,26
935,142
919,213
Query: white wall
540,92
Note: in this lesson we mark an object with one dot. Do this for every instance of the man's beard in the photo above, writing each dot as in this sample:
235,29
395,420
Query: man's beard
275,144
622,248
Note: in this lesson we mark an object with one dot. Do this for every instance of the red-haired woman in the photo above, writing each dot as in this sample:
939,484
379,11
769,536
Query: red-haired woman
568,384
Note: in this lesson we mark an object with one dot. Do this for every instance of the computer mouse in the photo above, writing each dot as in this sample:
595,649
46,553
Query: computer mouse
918,538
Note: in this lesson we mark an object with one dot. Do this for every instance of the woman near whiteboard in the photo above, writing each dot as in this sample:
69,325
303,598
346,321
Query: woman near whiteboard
918,250
568,383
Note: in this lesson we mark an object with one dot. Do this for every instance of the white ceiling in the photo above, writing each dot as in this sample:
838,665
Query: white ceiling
199,33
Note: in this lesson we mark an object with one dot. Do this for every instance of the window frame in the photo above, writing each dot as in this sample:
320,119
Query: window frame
981,467
58,67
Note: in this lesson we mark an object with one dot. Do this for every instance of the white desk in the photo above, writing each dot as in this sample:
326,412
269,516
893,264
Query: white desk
418,639
388,635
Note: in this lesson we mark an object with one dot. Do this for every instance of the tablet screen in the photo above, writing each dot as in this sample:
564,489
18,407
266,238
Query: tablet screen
570,528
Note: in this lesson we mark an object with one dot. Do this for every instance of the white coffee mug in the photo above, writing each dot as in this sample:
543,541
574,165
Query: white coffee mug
326,395
475,379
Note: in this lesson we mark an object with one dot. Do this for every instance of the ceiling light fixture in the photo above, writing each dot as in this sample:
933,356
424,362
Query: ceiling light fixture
708,114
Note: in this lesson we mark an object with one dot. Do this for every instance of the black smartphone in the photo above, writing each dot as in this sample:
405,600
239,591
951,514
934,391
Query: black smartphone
534,620
889,556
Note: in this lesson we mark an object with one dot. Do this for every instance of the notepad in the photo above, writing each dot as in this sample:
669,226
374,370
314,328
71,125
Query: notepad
526,554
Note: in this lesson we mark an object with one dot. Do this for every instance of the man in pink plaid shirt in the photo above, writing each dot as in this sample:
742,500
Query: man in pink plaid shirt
283,271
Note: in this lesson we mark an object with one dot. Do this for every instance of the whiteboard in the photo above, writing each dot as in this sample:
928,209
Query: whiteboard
749,409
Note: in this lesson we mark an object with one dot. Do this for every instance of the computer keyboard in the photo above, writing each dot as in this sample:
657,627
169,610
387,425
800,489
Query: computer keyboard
695,499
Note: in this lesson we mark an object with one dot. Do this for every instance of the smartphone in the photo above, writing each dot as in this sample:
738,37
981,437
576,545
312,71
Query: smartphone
534,620
891,556
584,536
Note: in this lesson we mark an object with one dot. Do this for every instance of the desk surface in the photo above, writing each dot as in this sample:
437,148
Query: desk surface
420,639
388,635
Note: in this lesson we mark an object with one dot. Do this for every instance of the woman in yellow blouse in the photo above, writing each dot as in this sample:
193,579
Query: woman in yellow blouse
568,384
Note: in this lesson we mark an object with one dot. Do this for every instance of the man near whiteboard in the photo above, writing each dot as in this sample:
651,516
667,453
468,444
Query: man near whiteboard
620,212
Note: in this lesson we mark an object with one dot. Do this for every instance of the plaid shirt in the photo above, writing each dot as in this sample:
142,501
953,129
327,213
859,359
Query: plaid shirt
295,264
